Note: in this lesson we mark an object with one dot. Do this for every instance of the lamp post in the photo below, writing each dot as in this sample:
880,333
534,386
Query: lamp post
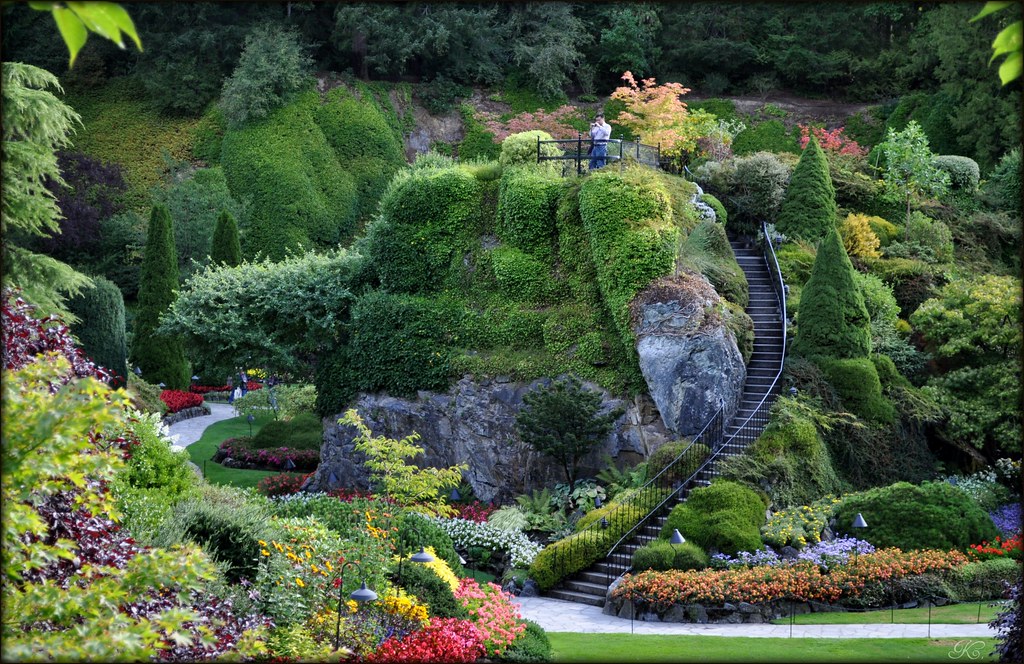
250,419
421,557
859,523
677,538
363,594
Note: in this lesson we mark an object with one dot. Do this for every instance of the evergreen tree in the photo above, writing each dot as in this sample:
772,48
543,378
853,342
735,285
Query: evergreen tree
101,329
809,208
833,319
562,421
161,358
226,248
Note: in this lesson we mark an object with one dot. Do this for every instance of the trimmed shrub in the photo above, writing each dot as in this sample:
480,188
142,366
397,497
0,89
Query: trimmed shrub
521,148
770,136
721,216
857,383
983,580
302,432
933,515
532,645
859,238
707,250
431,590
162,358
923,238
662,556
526,211
666,454
964,173
725,516
520,276
884,230
833,321
809,208
913,281
101,328
225,248
207,136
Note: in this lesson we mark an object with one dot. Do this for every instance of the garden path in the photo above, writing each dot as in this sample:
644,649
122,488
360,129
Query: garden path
556,615
188,431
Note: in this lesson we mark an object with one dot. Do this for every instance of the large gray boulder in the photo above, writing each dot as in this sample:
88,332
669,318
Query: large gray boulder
474,423
688,356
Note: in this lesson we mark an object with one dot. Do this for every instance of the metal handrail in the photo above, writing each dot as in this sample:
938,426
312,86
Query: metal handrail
572,150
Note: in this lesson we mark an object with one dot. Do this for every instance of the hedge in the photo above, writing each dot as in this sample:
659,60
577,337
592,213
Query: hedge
101,326
770,136
858,385
707,250
725,516
297,190
520,276
964,173
526,211
661,555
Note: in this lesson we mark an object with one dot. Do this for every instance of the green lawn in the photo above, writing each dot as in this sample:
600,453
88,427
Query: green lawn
954,614
576,647
203,450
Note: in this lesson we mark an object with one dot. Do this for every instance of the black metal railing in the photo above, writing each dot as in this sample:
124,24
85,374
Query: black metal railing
618,524
576,150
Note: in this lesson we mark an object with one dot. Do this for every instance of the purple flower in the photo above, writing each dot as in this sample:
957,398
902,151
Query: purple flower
1007,519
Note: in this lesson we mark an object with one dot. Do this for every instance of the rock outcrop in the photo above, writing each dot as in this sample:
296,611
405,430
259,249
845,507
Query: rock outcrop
688,356
474,423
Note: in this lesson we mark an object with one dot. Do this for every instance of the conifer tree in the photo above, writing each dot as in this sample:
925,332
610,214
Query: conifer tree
161,357
809,208
101,326
226,248
833,319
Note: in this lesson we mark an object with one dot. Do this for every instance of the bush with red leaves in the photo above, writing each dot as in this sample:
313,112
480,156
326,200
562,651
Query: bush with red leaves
26,337
442,640
283,484
178,401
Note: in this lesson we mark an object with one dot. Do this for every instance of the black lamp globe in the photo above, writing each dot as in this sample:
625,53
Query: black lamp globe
364,594
677,537
422,557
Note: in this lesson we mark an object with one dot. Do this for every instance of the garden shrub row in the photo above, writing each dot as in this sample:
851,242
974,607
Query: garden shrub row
725,516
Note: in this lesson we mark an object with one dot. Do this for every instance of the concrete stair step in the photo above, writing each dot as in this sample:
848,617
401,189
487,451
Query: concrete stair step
579,598
586,587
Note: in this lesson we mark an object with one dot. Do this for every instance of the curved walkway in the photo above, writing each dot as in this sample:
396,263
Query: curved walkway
188,431
556,615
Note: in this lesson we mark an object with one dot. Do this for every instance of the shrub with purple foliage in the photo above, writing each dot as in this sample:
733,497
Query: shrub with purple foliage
1009,626
1007,519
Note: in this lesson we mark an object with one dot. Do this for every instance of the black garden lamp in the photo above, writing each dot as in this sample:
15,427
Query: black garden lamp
138,371
360,596
604,522
454,496
677,538
859,523
250,419
597,502
162,386
195,379
792,392
421,557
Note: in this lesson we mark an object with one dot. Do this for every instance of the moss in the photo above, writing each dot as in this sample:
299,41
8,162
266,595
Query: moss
526,211
707,250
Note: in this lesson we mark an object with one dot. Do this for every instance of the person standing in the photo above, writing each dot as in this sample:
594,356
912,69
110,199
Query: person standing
600,132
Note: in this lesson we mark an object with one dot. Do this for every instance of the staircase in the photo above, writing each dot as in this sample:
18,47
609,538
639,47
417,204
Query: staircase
590,586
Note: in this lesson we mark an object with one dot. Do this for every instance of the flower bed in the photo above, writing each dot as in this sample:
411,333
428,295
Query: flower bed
177,401
284,484
492,610
465,534
235,453
804,580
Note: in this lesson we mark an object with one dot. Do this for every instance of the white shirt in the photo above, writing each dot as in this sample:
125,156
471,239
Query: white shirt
602,131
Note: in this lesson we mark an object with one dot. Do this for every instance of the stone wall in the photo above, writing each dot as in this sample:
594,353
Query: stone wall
474,423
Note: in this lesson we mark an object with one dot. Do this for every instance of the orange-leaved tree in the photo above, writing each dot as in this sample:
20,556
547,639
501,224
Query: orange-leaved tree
657,115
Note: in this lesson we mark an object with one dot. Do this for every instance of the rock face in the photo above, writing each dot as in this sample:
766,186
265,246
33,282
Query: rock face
688,356
474,423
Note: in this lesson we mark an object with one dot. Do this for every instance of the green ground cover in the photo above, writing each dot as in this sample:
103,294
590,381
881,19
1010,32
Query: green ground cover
953,614
576,647
203,450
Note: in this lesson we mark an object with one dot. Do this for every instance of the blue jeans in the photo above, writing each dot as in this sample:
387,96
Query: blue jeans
597,156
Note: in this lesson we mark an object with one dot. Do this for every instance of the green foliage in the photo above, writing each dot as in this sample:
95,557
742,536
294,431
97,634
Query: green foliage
416,530
208,135
145,396
521,149
963,172
521,276
752,188
194,204
35,125
789,461
725,516
924,238
981,404
984,579
885,231
913,281
101,326
933,515
833,320
662,556
909,167
422,489
770,136
563,420
809,209
531,645
707,250
721,216
526,211
75,22
858,237
272,67
277,314
660,459
297,193
856,381
226,525
628,220
225,248
1004,182
477,142
723,109
161,357
366,145
426,218
302,432
431,590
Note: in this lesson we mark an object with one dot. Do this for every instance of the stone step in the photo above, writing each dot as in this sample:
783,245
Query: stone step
597,578
586,587
579,598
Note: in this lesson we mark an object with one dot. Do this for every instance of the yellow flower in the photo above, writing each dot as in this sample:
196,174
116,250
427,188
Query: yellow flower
264,552
308,556
278,547
299,582
262,543
328,564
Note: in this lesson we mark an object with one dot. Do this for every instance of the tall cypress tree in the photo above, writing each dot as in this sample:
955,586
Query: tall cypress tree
101,327
161,357
832,319
809,208
226,248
